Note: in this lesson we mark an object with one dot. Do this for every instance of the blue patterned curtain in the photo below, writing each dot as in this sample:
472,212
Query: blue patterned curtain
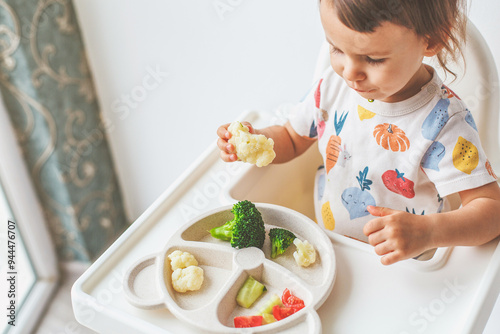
48,91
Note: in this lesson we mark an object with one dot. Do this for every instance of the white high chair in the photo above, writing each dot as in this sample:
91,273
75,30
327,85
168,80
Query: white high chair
456,297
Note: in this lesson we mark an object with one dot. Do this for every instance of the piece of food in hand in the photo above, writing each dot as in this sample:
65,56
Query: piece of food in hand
280,240
187,279
181,260
248,321
246,229
305,255
249,292
253,148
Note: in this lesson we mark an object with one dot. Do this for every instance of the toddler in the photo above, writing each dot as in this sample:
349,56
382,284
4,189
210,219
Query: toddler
396,142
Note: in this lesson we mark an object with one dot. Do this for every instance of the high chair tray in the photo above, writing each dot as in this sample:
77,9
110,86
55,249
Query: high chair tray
213,307
453,292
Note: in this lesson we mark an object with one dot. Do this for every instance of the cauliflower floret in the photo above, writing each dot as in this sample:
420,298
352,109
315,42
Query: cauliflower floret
252,148
181,260
186,275
305,254
187,279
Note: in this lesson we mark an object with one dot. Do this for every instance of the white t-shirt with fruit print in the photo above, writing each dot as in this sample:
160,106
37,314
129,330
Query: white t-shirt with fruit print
407,155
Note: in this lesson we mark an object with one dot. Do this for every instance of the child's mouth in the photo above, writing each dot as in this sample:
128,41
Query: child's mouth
364,91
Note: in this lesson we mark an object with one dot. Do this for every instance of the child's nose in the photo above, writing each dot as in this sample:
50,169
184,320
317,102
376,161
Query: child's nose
353,72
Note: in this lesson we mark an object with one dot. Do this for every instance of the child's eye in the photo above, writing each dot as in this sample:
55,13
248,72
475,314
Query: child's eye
334,50
374,61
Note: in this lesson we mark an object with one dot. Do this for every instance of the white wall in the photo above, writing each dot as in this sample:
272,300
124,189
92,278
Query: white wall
215,62
484,14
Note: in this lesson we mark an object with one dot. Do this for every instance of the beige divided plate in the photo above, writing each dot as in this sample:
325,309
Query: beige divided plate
147,283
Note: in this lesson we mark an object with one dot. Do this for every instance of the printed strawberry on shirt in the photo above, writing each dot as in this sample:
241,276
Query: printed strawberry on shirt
397,183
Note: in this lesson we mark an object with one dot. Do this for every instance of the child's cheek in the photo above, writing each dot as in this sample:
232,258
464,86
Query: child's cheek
336,65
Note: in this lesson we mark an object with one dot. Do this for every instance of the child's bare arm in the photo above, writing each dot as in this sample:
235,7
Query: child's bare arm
477,222
400,235
287,143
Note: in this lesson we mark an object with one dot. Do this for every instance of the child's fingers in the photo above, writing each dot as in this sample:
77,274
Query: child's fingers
376,238
373,226
250,127
222,132
391,258
226,157
383,248
227,151
379,211
224,146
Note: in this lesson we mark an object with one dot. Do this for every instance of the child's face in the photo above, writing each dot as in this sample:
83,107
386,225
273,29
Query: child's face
385,65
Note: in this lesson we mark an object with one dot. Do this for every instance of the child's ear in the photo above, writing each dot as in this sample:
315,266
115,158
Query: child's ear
434,45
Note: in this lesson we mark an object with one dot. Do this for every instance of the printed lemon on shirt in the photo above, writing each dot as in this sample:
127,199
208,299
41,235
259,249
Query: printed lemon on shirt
364,113
465,156
327,215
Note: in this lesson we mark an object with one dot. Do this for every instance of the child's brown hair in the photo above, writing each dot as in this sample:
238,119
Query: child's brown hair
442,22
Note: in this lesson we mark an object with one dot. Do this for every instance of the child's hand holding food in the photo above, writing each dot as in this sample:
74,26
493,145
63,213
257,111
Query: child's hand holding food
238,141
227,150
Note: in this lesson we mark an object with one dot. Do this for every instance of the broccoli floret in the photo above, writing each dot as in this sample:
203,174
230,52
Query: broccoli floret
246,229
224,232
280,240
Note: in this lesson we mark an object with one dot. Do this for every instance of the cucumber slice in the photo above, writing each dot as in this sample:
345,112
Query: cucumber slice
268,306
268,318
249,292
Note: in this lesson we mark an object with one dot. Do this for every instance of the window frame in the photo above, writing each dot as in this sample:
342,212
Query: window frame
31,225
